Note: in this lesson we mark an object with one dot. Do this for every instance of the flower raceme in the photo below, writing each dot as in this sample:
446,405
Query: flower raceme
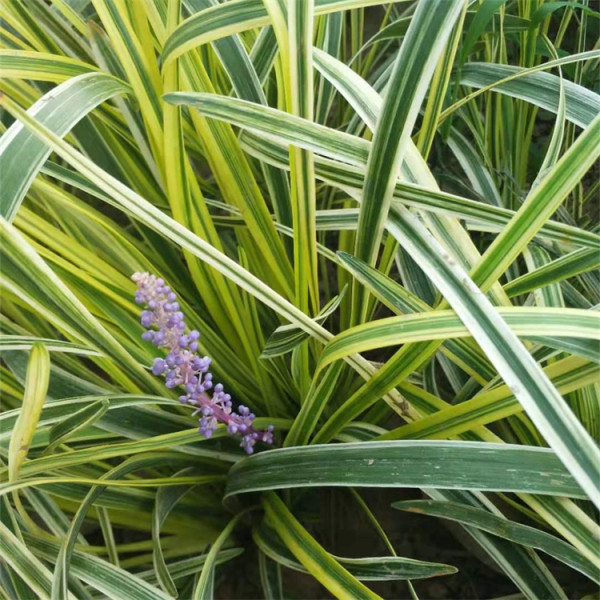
165,328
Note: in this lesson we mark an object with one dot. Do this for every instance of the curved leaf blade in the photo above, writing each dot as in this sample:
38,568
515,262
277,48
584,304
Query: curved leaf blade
36,386
500,526
311,554
78,421
375,568
407,463
22,154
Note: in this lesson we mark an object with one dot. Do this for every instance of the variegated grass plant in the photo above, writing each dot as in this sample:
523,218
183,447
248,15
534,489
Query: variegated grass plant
379,216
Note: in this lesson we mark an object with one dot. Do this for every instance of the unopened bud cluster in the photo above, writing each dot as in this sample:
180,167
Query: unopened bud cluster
165,325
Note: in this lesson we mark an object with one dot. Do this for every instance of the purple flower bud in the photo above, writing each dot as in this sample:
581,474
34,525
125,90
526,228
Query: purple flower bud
248,444
159,367
182,366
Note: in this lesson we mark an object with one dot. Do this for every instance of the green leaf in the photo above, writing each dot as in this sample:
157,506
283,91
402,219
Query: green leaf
25,342
293,27
557,139
19,557
166,498
569,520
108,535
270,577
84,455
276,124
485,13
140,67
407,463
409,194
22,154
6,488
40,66
400,300
425,40
109,580
444,324
16,584
397,29
475,169
234,17
549,7
485,325
63,560
247,85
376,568
541,89
28,276
36,386
58,410
439,87
319,394
78,421
286,337
448,231
522,565
491,405
204,587
515,532
540,204
321,565
574,263
553,418
190,566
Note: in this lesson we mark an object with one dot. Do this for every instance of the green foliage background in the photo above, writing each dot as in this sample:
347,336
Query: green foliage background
382,216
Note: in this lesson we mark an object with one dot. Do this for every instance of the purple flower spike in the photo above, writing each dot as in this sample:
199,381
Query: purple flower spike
166,328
